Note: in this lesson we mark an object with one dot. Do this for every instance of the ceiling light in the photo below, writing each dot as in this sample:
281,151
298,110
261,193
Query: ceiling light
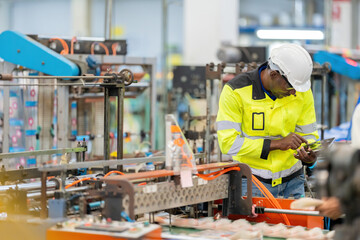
290,34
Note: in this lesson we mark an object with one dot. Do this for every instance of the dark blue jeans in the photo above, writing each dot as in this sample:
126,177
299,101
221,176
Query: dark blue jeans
293,188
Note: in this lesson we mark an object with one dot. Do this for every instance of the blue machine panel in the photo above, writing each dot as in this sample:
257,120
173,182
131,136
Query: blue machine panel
19,49
341,65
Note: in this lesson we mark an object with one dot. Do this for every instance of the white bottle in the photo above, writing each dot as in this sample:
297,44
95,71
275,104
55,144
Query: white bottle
355,129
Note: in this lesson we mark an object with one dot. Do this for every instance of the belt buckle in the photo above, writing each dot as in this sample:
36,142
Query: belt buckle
276,182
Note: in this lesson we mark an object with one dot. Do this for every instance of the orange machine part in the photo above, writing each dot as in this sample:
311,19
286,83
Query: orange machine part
295,220
61,235
165,173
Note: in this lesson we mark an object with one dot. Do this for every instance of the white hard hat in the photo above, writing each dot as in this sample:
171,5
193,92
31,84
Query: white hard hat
295,63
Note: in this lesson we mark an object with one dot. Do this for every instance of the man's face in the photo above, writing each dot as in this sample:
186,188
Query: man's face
280,87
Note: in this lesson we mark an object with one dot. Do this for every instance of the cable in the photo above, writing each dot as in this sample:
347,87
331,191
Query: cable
79,181
114,47
101,45
111,172
270,197
208,177
72,45
64,45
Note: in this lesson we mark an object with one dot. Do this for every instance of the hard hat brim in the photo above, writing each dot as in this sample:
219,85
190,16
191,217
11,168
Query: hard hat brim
303,87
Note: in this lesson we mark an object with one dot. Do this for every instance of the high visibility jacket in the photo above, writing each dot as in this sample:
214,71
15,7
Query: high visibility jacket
248,119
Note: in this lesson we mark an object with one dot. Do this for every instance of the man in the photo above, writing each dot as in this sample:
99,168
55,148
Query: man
266,115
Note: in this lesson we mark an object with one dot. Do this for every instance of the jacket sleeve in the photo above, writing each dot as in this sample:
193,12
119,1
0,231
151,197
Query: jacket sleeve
306,124
230,136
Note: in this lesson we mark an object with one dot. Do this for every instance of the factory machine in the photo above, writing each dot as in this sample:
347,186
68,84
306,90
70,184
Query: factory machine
96,200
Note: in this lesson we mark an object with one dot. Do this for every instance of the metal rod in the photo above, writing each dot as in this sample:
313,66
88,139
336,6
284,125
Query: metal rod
294,212
208,120
106,127
323,88
104,163
164,41
27,186
61,77
59,84
6,122
120,126
42,152
43,204
50,193
108,18
230,69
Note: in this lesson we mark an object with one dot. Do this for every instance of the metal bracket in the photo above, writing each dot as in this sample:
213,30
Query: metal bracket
114,195
236,203
211,74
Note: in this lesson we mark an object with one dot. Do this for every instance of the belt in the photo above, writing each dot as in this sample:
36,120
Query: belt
278,181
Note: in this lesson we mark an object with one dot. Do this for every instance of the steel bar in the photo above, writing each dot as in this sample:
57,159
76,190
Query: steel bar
208,120
27,186
106,163
41,152
43,202
62,77
106,127
120,126
231,69
108,18
95,84
323,92
51,192
293,212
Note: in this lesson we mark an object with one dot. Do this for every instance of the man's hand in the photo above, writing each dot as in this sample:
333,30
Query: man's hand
330,208
306,156
291,141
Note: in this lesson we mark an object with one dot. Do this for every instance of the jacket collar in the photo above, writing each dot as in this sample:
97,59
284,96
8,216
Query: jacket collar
257,93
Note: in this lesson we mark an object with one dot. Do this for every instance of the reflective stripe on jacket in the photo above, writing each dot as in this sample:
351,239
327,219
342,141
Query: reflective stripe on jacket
248,120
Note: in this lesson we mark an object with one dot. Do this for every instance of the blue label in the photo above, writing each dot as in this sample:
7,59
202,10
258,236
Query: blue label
31,104
16,122
81,137
13,94
55,120
31,132
34,74
73,104
31,161
73,132
16,149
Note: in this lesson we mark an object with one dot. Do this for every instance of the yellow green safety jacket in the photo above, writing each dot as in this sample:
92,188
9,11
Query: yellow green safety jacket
248,119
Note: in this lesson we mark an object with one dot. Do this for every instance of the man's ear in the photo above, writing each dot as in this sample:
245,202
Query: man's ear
273,74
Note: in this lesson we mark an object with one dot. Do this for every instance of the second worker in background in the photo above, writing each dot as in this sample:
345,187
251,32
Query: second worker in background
266,115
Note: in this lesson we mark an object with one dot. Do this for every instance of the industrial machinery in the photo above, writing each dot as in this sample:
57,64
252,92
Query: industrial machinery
97,199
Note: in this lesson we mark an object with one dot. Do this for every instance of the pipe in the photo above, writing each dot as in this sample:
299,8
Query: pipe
51,193
120,126
28,186
106,127
108,18
294,212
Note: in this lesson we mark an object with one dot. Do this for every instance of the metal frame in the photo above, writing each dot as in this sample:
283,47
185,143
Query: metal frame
119,91
149,64
42,152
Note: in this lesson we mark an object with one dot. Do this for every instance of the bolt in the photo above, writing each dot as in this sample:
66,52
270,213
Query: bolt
42,63
18,51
